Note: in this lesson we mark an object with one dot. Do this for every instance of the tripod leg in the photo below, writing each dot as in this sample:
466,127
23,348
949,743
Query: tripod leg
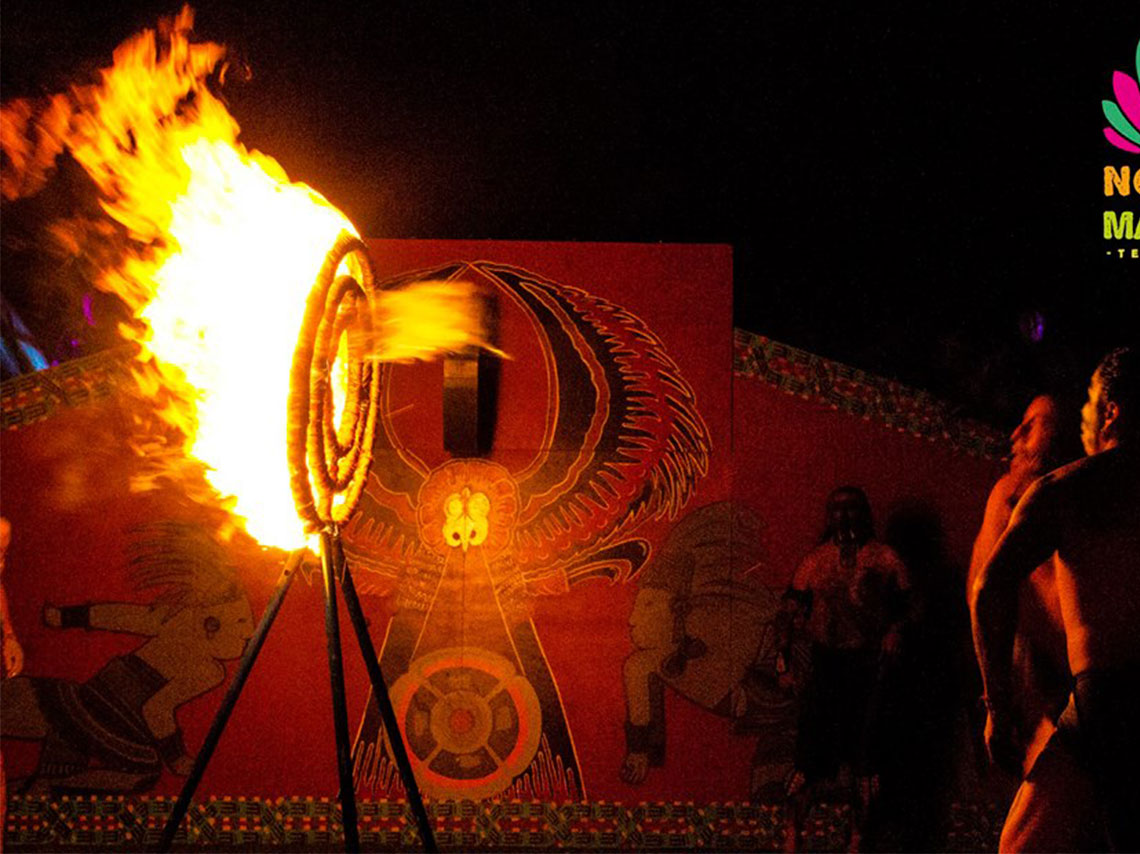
230,700
340,705
384,702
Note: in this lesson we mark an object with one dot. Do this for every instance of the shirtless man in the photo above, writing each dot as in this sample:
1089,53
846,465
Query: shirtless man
1040,667
1087,514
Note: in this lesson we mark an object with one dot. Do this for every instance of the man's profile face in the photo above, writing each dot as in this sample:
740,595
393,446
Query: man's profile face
1092,417
1038,428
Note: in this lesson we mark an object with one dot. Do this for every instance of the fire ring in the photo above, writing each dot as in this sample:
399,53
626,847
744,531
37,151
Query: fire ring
329,461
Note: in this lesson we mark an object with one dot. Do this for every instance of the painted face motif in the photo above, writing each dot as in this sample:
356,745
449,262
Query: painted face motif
466,504
651,621
235,627
466,519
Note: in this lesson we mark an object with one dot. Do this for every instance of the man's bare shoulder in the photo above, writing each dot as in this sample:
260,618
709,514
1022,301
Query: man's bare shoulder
1083,489
1088,471
1043,504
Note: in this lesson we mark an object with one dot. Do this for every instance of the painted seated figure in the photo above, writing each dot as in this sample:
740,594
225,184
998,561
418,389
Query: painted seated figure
704,626
114,732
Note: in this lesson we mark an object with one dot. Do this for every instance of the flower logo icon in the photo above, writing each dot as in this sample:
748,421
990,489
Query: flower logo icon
1123,114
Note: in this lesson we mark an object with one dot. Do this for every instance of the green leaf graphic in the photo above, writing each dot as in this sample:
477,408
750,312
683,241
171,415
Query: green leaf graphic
1117,120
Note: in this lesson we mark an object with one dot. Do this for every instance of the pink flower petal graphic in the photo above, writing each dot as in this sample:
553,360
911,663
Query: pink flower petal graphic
1127,96
1120,142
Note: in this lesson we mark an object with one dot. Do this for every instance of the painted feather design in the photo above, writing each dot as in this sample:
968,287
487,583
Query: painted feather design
633,452
624,443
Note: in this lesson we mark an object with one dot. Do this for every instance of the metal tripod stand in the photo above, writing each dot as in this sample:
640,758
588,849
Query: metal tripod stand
335,571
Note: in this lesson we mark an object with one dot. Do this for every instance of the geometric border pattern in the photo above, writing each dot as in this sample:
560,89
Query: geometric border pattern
863,394
33,397
314,824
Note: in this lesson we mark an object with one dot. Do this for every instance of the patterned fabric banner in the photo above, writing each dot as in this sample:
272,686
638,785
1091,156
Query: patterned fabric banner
863,394
33,397
314,824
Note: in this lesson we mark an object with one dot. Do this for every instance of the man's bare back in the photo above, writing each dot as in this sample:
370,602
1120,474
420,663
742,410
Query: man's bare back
1089,513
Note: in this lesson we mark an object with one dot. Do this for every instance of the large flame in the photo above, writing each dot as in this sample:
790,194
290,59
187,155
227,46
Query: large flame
227,307
224,250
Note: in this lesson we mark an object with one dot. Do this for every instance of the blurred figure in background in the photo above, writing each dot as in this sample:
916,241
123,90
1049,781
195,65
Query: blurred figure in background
852,594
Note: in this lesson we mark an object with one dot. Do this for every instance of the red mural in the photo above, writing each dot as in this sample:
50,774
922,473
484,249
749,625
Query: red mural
602,434
577,600
469,543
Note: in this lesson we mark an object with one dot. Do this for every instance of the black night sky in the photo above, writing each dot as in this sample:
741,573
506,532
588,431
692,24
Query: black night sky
903,186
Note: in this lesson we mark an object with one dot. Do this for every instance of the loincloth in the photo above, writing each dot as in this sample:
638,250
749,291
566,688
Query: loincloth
101,718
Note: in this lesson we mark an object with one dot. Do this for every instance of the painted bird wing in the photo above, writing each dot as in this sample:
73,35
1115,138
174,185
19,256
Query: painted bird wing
625,440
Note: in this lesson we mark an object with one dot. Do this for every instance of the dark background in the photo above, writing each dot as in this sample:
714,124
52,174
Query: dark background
904,186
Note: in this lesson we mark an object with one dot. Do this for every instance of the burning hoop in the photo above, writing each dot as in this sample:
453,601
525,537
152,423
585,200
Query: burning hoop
328,462
329,454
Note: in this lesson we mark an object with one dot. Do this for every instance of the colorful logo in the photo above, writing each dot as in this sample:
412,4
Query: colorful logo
1123,114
